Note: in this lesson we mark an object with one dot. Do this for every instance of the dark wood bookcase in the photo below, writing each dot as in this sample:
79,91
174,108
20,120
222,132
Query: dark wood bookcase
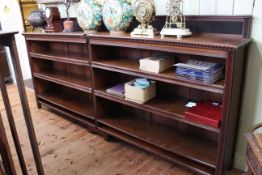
61,74
71,73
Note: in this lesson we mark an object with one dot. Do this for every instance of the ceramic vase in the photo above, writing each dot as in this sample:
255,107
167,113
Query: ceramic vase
89,15
117,15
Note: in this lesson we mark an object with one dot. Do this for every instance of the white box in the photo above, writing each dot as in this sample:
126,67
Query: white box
155,64
139,95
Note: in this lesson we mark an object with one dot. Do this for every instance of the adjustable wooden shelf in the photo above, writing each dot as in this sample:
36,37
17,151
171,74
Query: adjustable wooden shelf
71,73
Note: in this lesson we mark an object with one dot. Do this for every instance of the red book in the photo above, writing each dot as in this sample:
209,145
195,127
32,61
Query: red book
206,113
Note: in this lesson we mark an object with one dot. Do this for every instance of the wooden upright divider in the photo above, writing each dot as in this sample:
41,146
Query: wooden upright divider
71,73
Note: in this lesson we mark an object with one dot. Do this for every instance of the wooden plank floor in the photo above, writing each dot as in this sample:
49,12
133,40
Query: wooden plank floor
68,149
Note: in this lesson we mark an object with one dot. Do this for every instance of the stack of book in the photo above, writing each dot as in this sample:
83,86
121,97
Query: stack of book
156,64
202,71
118,90
207,113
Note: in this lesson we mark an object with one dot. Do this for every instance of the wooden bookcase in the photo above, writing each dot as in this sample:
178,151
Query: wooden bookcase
61,74
71,73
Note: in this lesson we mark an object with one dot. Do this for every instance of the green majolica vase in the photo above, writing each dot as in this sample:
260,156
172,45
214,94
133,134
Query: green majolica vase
117,15
89,15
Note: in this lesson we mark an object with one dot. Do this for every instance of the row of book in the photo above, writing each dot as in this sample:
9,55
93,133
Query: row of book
202,71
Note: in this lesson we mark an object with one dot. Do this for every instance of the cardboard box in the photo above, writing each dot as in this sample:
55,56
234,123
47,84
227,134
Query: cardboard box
139,95
155,64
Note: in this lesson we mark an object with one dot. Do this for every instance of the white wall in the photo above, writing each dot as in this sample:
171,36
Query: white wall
251,111
11,20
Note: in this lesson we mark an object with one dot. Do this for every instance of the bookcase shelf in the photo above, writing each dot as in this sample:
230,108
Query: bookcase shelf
63,78
72,71
166,106
193,148
131,67
61,57
197,168
79,106
86,122
75,101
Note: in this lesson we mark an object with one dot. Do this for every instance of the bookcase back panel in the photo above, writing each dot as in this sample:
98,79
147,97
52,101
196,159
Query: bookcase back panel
70,49
115,52
188,93
111,52
57,47
46,65
53,88
106,79
100,52
76,48
39,47
38,65
72,69
186,128
60,49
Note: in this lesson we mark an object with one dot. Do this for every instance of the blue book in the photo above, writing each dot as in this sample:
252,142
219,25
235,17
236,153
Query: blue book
206,72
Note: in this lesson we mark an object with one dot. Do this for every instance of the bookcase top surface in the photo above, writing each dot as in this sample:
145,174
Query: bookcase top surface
225,42
55,34
201,40
71,37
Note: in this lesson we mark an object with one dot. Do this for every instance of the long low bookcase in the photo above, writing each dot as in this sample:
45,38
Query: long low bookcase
71,72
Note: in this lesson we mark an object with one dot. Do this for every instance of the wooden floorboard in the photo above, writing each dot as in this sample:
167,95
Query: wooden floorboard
68,149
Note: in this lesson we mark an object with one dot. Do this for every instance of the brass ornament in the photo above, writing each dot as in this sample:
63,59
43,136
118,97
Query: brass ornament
144,11
175,22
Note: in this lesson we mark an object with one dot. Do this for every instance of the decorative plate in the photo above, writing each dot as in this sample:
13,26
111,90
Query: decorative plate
89,15
117,15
